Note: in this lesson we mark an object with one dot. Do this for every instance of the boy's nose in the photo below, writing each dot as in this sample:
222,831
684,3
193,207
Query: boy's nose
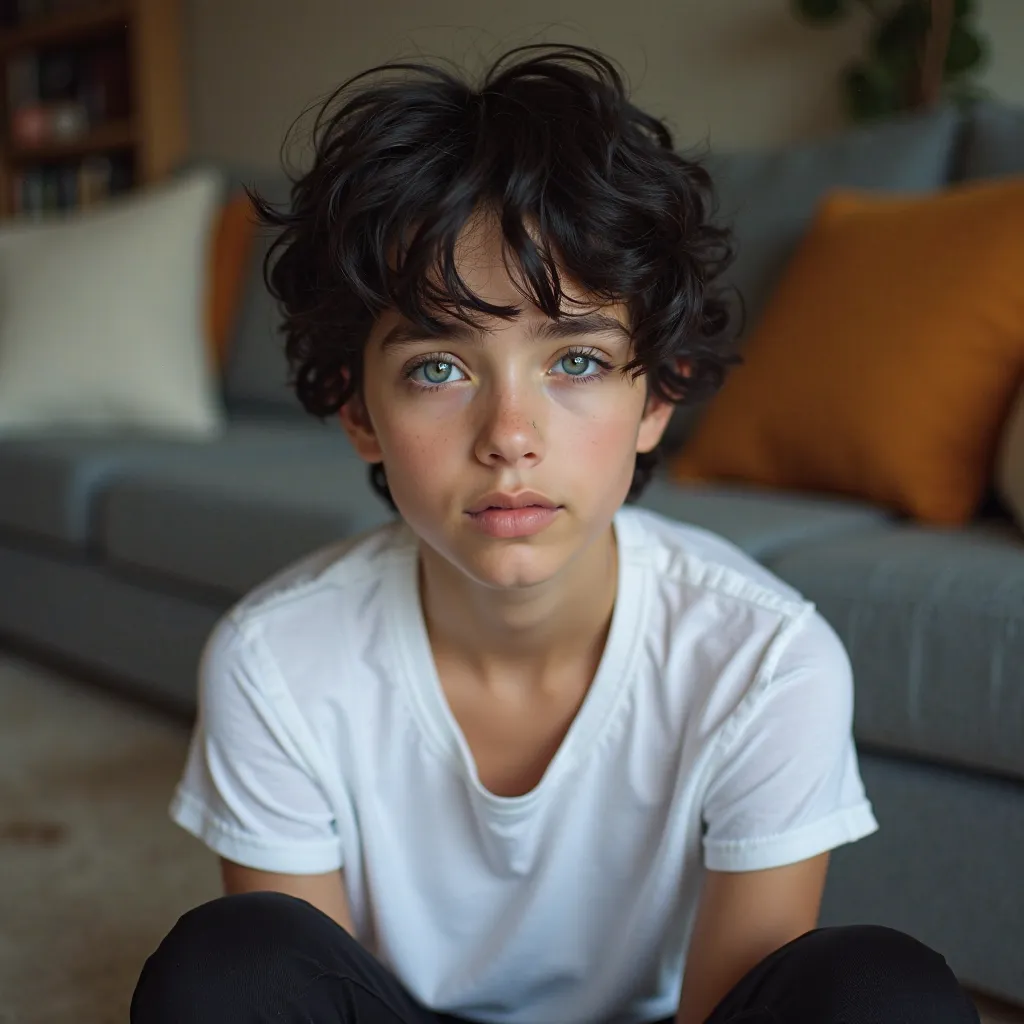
511,431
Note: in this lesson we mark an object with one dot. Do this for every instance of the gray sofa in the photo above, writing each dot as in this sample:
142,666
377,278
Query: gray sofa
118,555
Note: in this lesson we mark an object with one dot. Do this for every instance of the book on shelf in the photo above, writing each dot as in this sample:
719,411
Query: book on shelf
62,188
63,94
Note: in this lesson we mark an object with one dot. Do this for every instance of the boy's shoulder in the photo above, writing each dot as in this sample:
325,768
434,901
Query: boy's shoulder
683,555
341,575
702,583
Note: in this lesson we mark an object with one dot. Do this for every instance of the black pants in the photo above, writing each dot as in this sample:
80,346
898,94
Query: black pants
265,957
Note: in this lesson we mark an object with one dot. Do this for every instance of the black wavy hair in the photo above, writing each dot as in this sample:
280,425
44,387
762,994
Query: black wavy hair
548,138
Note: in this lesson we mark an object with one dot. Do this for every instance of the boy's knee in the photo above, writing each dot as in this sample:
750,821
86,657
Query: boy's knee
871,970
216,951
876,948
245,922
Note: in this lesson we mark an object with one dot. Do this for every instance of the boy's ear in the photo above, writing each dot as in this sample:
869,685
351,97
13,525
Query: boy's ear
652,426
355,418
657,413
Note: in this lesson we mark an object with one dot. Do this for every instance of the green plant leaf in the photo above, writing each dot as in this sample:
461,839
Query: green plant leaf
821,12
870,91
967,51
964,9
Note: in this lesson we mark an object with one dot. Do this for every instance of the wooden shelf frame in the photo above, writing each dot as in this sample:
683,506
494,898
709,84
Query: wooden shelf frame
103,138
68,28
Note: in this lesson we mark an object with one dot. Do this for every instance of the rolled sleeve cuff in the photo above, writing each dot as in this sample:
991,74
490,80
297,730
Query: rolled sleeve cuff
288,857
844,826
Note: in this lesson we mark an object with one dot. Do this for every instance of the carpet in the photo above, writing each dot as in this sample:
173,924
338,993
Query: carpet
93,871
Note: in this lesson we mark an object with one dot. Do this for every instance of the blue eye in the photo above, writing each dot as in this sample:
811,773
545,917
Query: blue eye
435,372
575,365
444,371
438,371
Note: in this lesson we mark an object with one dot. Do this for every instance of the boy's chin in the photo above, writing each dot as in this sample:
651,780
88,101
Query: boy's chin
505,565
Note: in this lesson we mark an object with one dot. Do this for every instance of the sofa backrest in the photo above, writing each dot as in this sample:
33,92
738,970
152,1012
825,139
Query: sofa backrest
769,197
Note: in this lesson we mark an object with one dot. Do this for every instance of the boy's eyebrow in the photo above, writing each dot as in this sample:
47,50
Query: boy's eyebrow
455,330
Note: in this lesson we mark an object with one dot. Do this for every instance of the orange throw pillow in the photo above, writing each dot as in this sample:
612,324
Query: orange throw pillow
228,269
887,361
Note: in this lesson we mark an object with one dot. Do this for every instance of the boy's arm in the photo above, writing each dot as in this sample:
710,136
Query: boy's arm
742,917
326,892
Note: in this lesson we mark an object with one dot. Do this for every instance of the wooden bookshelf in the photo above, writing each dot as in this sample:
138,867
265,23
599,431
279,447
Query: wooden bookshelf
67,27
149,136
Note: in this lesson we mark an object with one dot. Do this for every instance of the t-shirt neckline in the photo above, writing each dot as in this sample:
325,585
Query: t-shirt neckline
418,672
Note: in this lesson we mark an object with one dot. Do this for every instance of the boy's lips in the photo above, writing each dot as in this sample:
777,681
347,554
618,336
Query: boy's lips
506,516
502,500
506,523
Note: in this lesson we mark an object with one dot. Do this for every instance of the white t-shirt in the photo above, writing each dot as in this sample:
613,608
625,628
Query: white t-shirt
717,733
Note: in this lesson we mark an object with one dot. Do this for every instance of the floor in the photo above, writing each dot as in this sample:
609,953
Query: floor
94,873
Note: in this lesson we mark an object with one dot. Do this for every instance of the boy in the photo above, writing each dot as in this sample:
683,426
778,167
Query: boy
526,755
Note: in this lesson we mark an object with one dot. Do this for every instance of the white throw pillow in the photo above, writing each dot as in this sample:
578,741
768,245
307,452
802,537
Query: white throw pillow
103,315
1010,461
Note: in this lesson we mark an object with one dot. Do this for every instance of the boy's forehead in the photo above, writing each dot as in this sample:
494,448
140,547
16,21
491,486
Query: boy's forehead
488,265
490,271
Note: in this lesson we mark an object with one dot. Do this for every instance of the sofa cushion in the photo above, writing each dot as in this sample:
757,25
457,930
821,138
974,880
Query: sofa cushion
768,198
760,522
103,322
49,482
933,620
994,141
883,368
229,526
228,273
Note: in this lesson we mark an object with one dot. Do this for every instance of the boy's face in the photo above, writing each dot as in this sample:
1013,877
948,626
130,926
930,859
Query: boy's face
458,421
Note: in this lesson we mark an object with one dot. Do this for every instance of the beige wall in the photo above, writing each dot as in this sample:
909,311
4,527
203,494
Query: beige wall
741,72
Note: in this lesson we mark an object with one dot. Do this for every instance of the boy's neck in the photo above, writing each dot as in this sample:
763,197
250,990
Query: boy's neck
532,635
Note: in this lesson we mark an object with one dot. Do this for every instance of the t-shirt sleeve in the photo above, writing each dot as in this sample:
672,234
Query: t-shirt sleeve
786,785
249,791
